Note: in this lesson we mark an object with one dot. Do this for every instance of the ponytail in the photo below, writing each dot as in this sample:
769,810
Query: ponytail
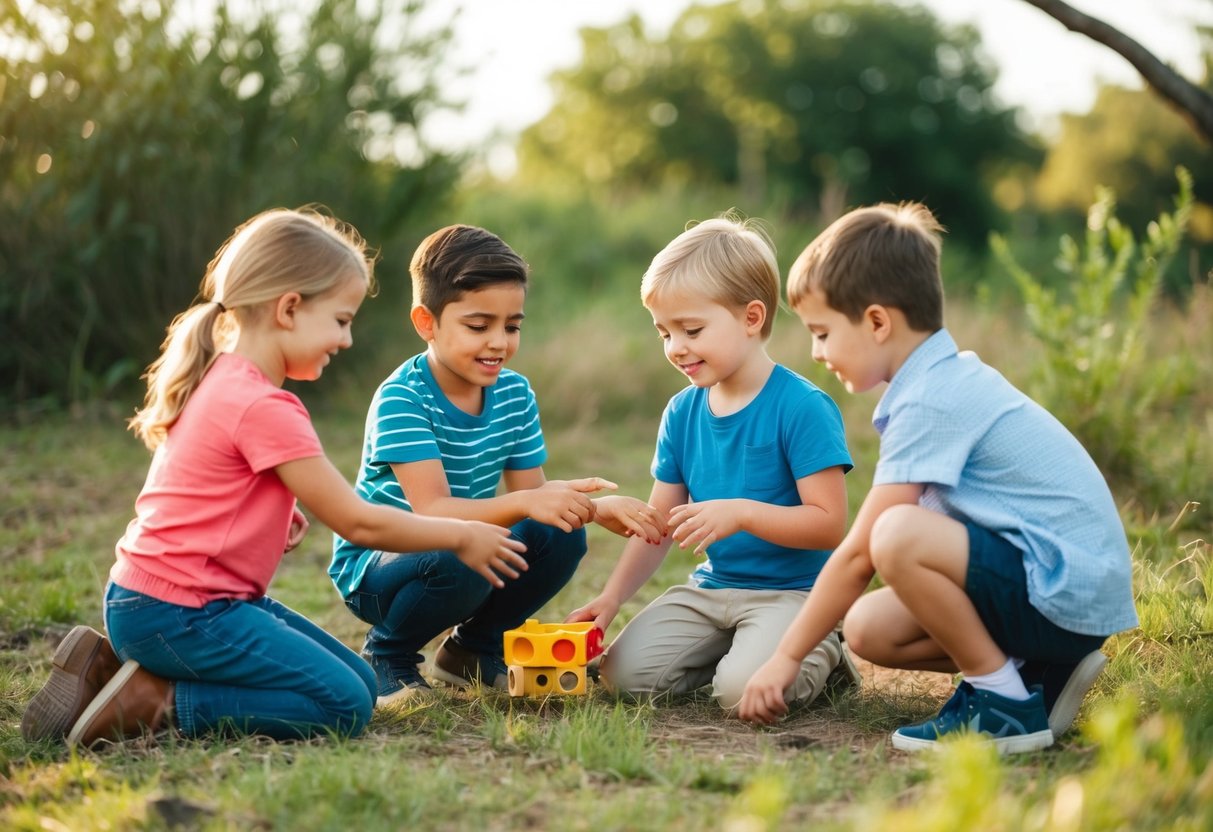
275,252
186,354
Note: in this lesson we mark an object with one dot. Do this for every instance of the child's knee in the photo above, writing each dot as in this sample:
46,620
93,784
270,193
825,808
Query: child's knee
859,635
570,545
548,544
626,678
347,709
728,688
892,538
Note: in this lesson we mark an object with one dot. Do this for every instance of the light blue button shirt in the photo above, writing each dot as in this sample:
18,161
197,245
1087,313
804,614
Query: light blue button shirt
989,455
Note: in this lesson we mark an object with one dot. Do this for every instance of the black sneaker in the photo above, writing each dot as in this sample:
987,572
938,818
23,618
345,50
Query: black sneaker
1065,686
458,666
398,682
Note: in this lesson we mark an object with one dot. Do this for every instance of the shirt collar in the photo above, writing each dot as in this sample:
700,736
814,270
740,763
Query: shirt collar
936,348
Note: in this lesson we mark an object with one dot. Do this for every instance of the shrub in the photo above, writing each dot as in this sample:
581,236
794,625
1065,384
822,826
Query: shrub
1092,374
133,140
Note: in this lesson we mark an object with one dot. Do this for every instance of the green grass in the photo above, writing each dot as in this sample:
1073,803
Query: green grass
484,760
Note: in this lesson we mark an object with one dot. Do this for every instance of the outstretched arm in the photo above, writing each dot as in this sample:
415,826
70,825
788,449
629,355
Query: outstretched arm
817,523
843,579
636,565
564,504
485,548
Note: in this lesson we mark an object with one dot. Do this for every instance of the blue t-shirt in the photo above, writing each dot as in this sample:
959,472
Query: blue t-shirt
989,455
790,430
410,419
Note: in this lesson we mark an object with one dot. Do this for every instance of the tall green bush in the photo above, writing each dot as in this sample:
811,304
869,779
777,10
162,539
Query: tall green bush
133,138
1094,374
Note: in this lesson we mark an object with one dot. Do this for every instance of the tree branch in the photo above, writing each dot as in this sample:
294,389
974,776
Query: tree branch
1193,103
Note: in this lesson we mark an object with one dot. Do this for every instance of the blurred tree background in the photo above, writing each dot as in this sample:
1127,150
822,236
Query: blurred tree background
135,134
133,138
816,106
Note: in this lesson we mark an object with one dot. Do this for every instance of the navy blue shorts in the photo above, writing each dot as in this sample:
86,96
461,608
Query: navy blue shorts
998,587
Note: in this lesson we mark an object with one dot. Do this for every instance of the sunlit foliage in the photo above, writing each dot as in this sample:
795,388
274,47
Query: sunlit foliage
134,136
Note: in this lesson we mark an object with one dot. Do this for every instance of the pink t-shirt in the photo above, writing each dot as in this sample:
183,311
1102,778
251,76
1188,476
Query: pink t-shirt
213,517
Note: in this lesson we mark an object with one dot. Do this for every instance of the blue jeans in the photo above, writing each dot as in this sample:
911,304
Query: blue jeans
410,598
256,667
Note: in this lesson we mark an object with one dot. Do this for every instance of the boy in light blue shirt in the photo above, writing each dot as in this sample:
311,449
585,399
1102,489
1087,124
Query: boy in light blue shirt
998,540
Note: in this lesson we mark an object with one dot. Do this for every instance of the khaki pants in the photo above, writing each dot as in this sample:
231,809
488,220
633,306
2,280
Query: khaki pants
691,636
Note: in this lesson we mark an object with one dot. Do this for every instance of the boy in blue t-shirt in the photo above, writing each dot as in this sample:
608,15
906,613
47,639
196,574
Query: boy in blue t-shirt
749,467
443,430
998,540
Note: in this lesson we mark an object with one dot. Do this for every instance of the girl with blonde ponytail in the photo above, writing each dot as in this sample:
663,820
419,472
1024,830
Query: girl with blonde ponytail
193,640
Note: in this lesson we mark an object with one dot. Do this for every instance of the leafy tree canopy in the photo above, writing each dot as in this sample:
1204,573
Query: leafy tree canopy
133,140
822,103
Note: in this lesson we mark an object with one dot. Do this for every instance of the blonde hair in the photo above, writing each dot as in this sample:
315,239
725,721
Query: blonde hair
728,260
275,252
886,254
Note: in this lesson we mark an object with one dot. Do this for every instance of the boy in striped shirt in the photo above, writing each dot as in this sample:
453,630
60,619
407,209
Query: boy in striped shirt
444,430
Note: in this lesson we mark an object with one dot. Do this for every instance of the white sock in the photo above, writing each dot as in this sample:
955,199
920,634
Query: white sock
1005,681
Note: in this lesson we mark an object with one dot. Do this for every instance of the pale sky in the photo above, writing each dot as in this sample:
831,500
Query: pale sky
511,46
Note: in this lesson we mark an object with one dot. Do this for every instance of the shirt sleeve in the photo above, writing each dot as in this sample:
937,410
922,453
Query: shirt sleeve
276,429
665,466
399,428
814,436
923,443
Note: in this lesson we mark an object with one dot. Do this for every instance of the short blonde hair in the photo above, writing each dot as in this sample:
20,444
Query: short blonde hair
886,254
728,260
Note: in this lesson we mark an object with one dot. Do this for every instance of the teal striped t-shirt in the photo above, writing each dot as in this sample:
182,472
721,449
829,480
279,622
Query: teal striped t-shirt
410,419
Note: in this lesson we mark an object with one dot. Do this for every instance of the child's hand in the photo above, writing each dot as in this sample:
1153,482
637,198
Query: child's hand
563,503
490,550
601,611
762,702
297,531
699,525
628,516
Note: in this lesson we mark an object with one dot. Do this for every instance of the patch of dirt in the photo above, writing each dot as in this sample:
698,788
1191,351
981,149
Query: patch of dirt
699,727
905,682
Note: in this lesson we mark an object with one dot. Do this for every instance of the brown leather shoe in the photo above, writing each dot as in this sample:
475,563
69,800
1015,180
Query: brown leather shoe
132,702
84,662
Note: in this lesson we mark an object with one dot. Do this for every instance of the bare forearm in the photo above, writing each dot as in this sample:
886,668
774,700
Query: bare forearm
841,582
393,530
797,527
502,510
636,565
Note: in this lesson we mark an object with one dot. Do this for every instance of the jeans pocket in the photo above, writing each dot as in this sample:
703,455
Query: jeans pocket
127,600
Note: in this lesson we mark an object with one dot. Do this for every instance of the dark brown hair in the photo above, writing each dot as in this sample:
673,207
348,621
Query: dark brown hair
459,259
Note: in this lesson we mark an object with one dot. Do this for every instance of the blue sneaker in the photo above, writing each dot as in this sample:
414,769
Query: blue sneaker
1064,686
1013,726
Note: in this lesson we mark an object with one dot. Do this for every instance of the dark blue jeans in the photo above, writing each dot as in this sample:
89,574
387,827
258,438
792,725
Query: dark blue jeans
256,667
410,598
